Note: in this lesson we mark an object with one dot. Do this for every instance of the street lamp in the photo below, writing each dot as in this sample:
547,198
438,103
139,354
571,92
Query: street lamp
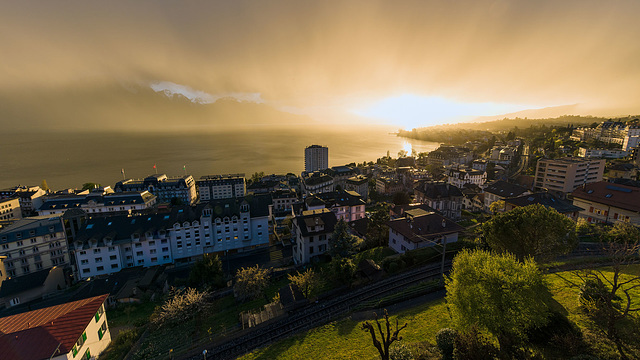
204,354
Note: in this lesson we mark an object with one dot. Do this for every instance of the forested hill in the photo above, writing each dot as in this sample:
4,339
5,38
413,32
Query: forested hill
462,132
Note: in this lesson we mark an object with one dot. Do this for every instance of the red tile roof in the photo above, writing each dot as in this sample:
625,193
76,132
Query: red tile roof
616,195
34,335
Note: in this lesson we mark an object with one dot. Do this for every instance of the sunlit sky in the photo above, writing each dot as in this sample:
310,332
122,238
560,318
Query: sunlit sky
405,63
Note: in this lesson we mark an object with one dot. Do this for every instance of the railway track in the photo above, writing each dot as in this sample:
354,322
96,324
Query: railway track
317,314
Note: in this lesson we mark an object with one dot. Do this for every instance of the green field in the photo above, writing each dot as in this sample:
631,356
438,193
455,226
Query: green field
344,339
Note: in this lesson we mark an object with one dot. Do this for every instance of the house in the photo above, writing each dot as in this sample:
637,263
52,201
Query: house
501,190
15,291
347,205
167,189
604,202
472,198
460,176
420,229
75,330
547,200
441,196
312,231
359,184
388,186
622,171
317,182
10,210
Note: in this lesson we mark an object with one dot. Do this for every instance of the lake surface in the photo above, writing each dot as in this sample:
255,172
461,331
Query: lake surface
67,160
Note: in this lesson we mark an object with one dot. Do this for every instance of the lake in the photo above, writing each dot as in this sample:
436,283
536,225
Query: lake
69,159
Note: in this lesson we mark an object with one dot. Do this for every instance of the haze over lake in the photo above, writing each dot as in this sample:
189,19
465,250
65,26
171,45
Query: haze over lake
67,160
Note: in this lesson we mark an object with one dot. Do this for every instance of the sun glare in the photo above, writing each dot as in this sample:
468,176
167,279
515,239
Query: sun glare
411,111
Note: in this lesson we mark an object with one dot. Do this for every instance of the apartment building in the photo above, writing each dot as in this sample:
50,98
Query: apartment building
316,157
33,244
460,176
97,203
359,184
167,189
10,209
419,228
215,187
564,175
440,196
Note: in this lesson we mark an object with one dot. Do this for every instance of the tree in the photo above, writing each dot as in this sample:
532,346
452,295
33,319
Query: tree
342,243
207,272
401,198
608,297
90,186
256,177
497,293
386,336
308,282
182,305
341,270
377,229
497,206
531,230
251,282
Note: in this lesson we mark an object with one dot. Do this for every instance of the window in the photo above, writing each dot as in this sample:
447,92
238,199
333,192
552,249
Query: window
96,251
100,268
102,330
112,257
5,246
165,249
151,243
112,248
139,253
166,257
154,259
87,355
138,245
21,252
99,259
99,313
79,344
311,250
84,262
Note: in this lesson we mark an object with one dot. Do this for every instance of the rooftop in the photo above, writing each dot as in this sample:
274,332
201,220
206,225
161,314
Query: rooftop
616,195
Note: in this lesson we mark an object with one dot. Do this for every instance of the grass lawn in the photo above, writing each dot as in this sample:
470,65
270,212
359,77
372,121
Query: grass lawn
345,340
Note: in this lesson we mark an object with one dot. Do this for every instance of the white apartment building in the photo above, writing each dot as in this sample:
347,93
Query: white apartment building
10,209
34,244
316,158
216,187
97,203
167,189
601,153
460,176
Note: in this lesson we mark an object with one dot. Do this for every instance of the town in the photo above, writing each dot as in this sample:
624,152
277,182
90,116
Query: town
185,267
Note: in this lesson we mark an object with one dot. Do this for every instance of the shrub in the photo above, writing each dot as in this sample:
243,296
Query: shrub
445,339
585,357
471,345
400,351
182,305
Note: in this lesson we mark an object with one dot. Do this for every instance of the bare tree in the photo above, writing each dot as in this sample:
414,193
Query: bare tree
386,337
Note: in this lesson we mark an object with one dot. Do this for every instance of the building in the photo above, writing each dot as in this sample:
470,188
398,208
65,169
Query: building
109,244
501,190
312,232
602,153
283,200
387,186
96,203
450,155
622,171
316,158
215,187
441,196
30,198
75,330
10,210
21,290
182,188
340,174
34,244
547,200
604,202
460,176
419,228
316,182
564,175
359,184
347,205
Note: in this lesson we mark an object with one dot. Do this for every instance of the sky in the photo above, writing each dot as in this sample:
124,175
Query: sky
401,63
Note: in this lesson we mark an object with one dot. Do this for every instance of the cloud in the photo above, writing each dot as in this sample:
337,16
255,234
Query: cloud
315,54
201,97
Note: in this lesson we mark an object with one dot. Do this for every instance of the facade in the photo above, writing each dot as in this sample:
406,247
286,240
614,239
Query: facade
74,330
359,184
502,190
10,209
312,232
340,175
605,202
283,200
316,158
215,187
347,205
460,177
388,186
97,203
564,175
16,291
165,188
450,155
440,196
34,244
316,183
30,198
602,153
419,228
